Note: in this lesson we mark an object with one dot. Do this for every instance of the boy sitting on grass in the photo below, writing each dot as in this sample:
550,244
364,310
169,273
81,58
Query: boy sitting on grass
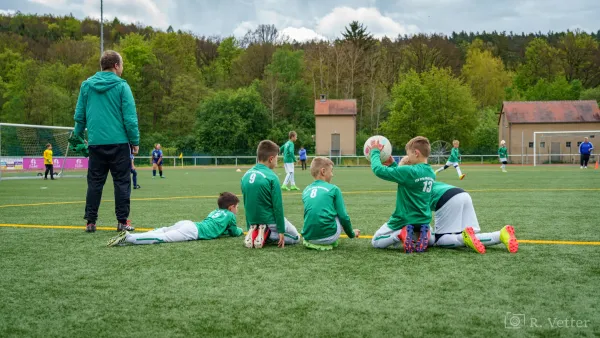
263,202
324,211
220,222
412,199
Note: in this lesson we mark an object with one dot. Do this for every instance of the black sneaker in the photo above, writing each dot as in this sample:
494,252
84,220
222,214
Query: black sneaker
125,226
137,187
90,227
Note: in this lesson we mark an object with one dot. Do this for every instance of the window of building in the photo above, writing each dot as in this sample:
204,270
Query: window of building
592,136
530,144
542,144
579,143
568,144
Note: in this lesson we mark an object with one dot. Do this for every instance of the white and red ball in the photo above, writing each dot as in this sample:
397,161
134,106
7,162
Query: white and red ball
385,153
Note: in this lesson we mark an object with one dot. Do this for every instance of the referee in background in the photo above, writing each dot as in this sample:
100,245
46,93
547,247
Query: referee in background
585,150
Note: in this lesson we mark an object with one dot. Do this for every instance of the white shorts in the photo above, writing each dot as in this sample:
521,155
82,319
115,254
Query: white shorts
329,240
289,167
503,159
454,164
291,233
457,214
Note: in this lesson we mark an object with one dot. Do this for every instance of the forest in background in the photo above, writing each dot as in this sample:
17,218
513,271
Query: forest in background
222,95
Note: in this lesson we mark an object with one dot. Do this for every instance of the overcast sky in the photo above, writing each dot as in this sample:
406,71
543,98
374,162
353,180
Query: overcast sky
326,18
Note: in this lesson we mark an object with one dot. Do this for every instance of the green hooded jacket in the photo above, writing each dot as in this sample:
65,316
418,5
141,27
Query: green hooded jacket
107,109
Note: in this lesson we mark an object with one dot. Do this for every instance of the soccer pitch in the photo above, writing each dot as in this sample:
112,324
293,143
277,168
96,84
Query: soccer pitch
62,282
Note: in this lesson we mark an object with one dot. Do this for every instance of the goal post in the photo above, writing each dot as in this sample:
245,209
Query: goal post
22,147
560,147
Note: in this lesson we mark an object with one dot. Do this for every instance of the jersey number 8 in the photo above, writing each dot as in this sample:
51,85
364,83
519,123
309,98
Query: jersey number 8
313,193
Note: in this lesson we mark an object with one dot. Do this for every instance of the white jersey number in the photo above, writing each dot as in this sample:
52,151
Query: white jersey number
427,186
252,178
313,193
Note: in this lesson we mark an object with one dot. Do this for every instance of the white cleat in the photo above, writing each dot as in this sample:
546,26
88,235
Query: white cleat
260,239
248,242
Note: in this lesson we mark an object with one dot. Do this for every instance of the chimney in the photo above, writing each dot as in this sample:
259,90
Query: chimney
323,97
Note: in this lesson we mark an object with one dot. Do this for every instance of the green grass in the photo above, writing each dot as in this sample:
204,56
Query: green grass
66,283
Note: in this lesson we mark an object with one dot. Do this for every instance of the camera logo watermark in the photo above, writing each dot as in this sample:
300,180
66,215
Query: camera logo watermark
519,321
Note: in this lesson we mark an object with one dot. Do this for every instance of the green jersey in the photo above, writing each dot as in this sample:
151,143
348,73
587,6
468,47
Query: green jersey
323,202
287,149
454,155
263,203
502,152
414,191
437,191
218,223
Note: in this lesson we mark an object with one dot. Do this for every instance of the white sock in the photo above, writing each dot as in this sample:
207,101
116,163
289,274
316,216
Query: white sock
287,179
458,170
490,238
383,242
439,169
292,179
450,241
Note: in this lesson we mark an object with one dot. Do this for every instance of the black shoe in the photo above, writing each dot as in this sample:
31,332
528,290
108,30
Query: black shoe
90,227
137,187
125,226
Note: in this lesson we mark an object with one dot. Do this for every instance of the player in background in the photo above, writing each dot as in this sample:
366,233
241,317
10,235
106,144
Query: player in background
456,223
454,160
263,202
157,161
134,173
302,154
503,155
289,159
48,162
585,150
412,199
324,211
220,222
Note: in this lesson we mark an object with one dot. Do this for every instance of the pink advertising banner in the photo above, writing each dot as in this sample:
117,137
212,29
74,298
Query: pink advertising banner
37,163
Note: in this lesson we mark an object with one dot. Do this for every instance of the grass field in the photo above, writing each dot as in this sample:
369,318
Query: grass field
66,283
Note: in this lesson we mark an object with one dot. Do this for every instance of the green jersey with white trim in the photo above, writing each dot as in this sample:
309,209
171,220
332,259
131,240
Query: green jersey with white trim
323,202
454,155
217,223
414,191
288,152
263,202
502,152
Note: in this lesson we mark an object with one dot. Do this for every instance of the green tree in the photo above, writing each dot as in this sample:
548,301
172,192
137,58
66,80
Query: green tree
579,52
358,34
486,76
559,89
591,94
434,104
231,122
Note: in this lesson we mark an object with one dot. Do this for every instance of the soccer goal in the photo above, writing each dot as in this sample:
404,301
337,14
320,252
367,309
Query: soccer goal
22,147
560,147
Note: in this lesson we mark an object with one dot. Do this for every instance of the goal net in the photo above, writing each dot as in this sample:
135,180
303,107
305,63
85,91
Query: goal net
22,152
561,147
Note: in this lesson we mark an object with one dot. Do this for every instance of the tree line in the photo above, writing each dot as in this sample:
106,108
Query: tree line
221,95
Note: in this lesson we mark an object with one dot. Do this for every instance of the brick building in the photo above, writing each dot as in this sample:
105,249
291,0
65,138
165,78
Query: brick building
518,121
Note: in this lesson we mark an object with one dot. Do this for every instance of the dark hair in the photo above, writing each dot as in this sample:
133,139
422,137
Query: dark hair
48,145
227,199
109,59
266,149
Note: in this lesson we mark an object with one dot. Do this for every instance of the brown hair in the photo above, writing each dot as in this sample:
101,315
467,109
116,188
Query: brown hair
266,149
48,145
292,134
319,163
227,199
109,59
421,144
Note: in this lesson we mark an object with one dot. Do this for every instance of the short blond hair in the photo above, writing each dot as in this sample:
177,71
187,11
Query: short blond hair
421,144
455,141
502,142
319,163
292,134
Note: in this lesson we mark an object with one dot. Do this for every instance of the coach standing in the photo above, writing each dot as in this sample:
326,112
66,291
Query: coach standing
107,109
585,149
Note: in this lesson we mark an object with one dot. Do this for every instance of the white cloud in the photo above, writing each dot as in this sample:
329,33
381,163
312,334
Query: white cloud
149,12
243,28
7,11
51,3
377,24
302,34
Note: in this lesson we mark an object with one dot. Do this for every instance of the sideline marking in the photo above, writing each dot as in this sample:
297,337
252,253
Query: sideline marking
112,228
296,194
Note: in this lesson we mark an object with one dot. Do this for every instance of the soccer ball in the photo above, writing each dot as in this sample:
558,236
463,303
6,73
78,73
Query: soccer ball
385,153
